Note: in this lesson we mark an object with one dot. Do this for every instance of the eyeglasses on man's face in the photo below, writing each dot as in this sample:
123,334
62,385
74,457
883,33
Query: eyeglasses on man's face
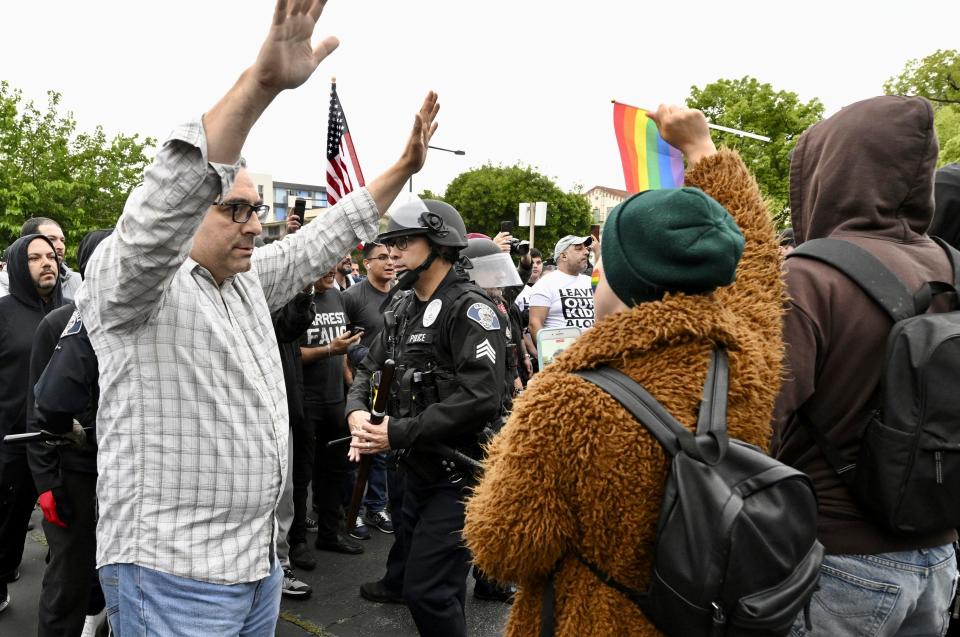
382,258
241,211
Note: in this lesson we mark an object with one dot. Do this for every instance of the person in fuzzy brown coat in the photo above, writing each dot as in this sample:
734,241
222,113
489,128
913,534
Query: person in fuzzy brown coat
572,471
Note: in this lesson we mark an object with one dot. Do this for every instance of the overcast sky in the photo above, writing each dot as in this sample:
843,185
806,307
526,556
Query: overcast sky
525,80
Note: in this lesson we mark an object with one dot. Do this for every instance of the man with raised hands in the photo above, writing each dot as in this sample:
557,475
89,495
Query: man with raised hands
193,419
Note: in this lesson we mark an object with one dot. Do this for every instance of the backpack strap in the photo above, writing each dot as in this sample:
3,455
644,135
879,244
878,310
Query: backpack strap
712,421
711,441
864,269
641,405
548,610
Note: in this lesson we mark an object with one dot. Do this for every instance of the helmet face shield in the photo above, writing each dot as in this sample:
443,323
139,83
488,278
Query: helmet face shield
494,271
437,220
405,220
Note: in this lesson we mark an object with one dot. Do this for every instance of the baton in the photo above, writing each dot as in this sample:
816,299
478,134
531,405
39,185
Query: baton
452,454
41,436
339,441
377,414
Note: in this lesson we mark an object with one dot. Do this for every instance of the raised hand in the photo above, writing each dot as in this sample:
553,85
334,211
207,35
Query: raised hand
685,129
424,126
287,58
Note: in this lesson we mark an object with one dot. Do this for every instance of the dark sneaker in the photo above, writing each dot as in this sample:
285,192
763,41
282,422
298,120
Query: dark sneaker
494,592
360,531
13,577
339,544
378,592
311,525
294,588
301,557
381,520
4,597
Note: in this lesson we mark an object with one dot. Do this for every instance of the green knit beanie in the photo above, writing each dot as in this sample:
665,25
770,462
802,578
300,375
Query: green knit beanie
670,240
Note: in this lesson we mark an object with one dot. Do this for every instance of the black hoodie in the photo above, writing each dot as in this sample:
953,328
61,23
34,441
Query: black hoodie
946,195
20,313
68,366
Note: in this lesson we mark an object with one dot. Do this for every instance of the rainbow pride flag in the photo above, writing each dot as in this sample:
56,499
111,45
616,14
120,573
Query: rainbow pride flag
649,162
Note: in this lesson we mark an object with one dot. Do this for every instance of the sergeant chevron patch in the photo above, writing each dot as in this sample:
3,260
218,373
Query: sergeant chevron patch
485,349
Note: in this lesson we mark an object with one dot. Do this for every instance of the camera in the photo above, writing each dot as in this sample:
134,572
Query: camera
518,248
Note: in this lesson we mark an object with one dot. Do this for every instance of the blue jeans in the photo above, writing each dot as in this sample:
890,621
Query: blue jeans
142,602
902,593
375,499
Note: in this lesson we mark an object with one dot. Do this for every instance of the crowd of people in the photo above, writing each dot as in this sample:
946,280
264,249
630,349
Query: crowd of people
197,409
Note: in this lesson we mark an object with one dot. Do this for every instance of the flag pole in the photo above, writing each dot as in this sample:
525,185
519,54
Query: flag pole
349,139
725,129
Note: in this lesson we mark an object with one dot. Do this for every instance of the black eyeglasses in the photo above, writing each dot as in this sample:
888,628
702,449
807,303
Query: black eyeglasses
241,211
381,258
400,243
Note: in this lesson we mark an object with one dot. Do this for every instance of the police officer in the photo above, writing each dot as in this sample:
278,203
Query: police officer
448,343
63,382
492,269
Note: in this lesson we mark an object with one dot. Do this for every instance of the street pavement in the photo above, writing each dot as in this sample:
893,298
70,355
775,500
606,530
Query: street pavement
334,610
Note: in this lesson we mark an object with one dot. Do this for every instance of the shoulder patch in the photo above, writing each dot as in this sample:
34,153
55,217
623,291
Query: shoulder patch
74,326
485,315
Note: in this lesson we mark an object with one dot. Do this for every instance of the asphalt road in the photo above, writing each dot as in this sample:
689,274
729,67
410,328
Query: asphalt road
334,610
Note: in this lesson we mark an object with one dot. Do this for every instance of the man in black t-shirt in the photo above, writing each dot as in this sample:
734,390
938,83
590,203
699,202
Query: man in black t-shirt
362,302
323,346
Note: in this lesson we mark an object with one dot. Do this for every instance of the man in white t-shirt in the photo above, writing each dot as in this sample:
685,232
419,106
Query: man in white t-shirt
565,298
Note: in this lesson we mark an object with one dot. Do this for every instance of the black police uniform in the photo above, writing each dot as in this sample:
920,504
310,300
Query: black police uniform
65,376
449,387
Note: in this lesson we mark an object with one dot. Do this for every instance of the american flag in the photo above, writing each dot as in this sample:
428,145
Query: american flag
340,153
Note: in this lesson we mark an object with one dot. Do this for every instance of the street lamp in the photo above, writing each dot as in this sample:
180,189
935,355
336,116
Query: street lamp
446,150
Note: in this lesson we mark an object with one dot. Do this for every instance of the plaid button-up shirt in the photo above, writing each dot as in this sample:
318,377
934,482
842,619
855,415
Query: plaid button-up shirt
193,423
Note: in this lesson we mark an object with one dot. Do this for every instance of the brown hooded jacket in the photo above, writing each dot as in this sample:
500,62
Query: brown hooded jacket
864,175
572,471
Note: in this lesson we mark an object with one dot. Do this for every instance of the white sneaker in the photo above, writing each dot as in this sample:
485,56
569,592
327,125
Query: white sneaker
293,587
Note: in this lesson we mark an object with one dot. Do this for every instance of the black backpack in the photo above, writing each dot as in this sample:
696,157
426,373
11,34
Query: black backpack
736,550
907,471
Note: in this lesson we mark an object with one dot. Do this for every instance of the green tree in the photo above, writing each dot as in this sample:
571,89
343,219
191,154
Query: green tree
937,78
749,105
48,169
490,194
947,123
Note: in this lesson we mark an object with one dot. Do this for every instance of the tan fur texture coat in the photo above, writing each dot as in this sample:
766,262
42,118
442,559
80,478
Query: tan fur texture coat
573,472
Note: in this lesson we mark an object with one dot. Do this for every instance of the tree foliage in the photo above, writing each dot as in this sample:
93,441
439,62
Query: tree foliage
947,123
937,78
749,105
48,169
490,194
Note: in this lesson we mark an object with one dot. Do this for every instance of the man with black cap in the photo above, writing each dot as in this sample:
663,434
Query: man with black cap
33,269
447,341
565,298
